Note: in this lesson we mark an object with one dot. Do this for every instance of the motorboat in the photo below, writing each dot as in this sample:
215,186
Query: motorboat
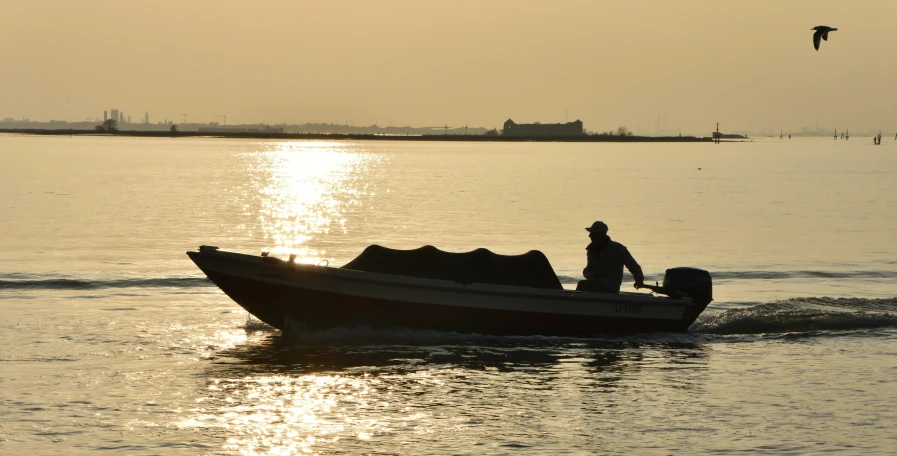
473,292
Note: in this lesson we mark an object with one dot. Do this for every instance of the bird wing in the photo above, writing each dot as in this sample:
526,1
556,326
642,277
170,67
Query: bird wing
825,35
816,36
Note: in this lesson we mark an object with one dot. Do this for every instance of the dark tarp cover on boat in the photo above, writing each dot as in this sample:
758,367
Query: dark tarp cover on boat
531,269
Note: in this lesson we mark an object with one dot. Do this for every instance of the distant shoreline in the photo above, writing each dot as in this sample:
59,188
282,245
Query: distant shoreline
342,136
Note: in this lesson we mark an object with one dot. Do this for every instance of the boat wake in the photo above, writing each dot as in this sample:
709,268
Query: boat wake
801,315
814,316
765,275
22,281
46,282
796,315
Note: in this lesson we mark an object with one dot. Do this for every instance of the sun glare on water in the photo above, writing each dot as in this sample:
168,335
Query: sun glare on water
305,190
286,414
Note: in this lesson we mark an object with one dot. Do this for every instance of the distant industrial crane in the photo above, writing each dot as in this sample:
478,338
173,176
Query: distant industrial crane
225,118
185,117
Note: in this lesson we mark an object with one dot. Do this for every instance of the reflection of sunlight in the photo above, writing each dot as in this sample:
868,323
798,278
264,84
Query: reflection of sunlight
207,344
305,190
282,414
278,399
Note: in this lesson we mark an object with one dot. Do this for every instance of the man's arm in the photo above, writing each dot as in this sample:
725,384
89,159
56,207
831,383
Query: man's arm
586,272
633,267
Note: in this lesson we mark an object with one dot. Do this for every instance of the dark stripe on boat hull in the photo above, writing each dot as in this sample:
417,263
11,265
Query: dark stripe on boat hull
312,310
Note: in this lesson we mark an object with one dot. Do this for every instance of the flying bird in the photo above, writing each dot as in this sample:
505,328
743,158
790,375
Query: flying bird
821,32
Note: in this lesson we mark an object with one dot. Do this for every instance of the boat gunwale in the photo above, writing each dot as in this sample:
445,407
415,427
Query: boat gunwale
352,275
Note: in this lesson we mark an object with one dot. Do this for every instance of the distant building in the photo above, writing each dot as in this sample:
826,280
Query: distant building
539,129
105,116
146,118
114,114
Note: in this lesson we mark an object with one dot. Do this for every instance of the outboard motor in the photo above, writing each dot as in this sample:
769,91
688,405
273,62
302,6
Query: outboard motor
692,282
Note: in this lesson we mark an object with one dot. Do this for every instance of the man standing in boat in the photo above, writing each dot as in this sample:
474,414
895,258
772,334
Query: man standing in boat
606,258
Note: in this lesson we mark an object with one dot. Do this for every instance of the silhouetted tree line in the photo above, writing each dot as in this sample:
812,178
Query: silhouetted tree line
109,125
620,131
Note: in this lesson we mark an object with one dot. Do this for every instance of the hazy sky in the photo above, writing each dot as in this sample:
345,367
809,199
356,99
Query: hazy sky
747,64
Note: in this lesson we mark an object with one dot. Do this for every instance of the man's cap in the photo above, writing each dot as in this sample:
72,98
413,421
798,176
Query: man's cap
597,227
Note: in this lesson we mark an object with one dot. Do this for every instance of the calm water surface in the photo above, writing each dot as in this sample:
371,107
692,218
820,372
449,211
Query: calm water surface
111,341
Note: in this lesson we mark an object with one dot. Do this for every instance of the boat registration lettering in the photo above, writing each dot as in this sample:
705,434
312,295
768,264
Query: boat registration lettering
628,308
273,275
